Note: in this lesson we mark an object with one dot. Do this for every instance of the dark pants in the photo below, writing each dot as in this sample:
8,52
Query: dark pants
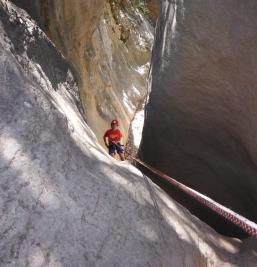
113,148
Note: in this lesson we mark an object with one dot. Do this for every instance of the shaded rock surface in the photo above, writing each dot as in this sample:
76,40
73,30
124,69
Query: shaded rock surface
64,202
154,8
33,7
201,118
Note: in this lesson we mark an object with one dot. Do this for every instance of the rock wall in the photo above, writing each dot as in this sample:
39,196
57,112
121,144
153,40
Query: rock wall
154,8
109,46
117,61
201,118
64,202
33,7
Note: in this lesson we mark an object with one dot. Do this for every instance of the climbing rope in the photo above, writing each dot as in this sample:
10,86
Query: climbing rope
245,224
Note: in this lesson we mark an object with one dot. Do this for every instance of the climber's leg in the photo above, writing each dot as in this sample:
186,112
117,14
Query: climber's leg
120,151
112,149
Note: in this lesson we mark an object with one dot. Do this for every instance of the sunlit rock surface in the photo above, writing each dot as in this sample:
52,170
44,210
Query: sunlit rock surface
201,117
64,202
109,48
117,59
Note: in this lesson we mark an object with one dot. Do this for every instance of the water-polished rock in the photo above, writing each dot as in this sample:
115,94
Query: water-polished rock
109,47
63,201
201,118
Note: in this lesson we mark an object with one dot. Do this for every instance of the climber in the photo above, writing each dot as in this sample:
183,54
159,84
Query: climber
112,139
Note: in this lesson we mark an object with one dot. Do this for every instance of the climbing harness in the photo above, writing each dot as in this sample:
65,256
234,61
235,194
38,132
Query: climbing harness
248,226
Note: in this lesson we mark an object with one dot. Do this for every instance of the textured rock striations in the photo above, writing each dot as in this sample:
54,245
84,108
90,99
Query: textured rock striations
64,202
109,46
201,117
154,8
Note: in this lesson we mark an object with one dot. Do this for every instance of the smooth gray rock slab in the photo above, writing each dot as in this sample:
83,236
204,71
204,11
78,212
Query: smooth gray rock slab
201,118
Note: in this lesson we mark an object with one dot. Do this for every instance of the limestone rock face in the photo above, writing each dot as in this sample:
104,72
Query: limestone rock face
116,61
62,17
154,8
109,48
201,117
33,7
64,202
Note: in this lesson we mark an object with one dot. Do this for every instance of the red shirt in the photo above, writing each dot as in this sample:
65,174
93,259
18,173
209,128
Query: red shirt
113,135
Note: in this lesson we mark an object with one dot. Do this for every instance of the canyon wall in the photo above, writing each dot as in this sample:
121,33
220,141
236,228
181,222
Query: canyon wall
64,202
109,46
201,117
154,8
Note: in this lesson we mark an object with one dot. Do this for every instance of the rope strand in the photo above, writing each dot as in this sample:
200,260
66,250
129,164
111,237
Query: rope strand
248,226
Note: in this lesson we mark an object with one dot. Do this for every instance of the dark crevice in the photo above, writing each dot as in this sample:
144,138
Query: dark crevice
217,222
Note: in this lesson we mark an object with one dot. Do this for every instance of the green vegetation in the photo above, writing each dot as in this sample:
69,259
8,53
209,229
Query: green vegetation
129,7
141,5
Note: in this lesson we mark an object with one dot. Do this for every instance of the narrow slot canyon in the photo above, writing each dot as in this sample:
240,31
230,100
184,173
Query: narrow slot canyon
109,47
180,77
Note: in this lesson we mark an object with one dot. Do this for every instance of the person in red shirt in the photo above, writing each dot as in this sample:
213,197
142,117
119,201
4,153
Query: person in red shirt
112,138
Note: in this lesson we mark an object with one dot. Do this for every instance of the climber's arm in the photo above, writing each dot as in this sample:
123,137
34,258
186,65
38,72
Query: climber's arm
105,139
